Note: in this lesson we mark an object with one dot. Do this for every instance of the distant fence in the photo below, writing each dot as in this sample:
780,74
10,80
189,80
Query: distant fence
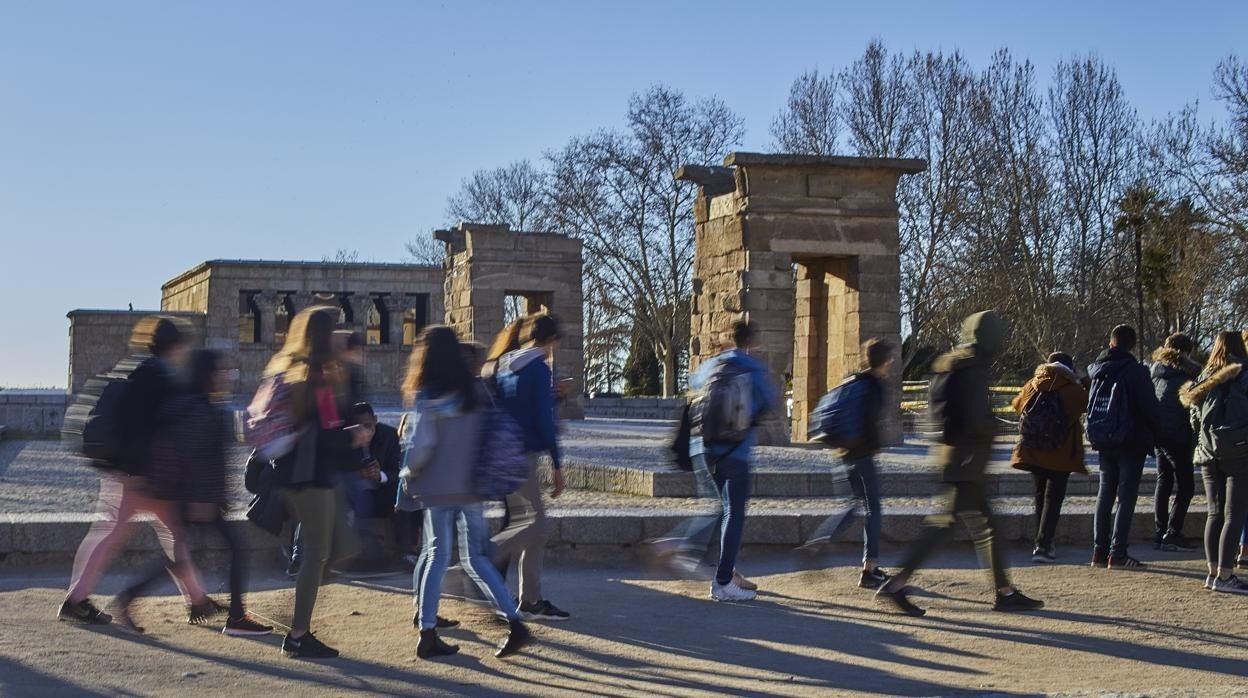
633,407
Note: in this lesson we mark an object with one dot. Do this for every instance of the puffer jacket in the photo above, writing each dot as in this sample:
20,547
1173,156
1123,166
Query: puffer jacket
440,443
1194,394
1067,458
1171,371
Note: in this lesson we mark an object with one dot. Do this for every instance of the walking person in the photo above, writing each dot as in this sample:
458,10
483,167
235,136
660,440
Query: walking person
159,348
860,465
306,477
189,455
1173,367
524,386
962,408
1050,444
1219,405
443,438
724,438
1123,418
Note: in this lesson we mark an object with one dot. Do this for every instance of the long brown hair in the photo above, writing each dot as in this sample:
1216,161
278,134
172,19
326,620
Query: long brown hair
507,340
1228,348
437,368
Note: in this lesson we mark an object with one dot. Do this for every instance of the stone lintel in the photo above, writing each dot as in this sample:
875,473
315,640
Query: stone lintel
902,165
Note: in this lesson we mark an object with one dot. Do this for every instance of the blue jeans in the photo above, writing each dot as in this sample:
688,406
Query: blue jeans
435,558
865,485
695,533
1120,481
732,479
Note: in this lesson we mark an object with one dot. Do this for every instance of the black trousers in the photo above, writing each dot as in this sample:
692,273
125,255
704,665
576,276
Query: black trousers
1228,507
1174,475
968,502
1050,493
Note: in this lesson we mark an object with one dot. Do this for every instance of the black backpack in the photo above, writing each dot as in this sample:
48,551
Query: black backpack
1109,416
723,412
1042,423
92,424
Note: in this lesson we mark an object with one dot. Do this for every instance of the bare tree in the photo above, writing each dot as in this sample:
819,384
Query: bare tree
343,256
809,123
876,108
513,195
426,250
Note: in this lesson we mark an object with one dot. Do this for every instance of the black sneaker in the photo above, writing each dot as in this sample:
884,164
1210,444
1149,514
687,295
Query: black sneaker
1176,543
200,613
518,636
239,627
83,612
1016,602
873,579
1232,585
542,610
307,647
1043,556
899,600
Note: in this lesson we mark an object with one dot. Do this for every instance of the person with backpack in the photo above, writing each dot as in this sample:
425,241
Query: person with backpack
862,403
961,408
1173,368
442,439
1050,443
1219,412
524,386
1123,418
736,394
145,382
189,455
311,390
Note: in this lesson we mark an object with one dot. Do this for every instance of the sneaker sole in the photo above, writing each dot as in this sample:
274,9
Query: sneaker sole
244,633
536,617
1241,592
727,600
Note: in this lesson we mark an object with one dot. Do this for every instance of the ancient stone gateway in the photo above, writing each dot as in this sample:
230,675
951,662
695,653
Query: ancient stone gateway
807,248
490,268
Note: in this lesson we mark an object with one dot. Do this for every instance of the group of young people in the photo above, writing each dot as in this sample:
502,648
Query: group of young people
173,424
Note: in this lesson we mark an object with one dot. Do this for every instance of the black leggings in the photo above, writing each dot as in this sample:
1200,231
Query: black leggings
238,564
1174,475
1228,508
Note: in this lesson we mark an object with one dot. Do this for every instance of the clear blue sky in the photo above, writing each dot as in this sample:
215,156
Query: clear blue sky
140,138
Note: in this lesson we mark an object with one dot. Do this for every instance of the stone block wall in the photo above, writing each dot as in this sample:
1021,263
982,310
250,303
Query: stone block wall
98,339
32,414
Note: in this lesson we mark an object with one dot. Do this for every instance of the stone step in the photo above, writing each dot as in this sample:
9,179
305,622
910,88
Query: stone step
598,520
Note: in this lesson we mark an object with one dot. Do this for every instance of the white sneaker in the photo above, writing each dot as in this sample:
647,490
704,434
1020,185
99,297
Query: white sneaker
730,592
1209,581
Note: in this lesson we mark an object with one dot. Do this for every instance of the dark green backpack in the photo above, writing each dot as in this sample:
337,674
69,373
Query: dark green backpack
1224,421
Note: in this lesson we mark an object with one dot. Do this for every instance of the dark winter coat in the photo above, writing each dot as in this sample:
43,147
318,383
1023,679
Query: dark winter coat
1195,393
385,449
1067,458
188,452
983,336
872,407
1145,411
1171,371
151,385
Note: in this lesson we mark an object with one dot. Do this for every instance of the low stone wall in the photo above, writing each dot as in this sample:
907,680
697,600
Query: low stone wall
32,414
633,407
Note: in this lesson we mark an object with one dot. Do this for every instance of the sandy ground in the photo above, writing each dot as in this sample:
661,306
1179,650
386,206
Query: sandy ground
811,632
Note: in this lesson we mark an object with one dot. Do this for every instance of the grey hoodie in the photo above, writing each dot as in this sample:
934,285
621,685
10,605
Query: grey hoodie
440,442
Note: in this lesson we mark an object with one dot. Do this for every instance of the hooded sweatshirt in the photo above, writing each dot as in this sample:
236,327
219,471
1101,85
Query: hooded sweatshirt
526,389
1068,457
1171,371
440,441
1115,364
983,339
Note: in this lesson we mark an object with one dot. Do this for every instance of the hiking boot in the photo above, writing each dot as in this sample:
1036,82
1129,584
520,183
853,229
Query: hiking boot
1043,556
899,600
246,625
430,645
1125,562
873,579
743,582
1232,585
307,647
200,613
542,610
1100,559
83,612
730,592
1015,602
517,637
1174,542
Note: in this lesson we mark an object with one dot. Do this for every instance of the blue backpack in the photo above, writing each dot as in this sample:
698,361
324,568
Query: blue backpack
502,462
1109,416
839,419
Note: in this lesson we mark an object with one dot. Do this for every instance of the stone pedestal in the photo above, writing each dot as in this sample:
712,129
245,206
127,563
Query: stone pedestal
806,248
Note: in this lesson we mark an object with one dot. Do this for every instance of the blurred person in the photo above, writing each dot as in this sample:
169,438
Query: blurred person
1123,420
1173,368
442,439
1219,408
1050,445
189,463
962,409
523,384
159,349
306,477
